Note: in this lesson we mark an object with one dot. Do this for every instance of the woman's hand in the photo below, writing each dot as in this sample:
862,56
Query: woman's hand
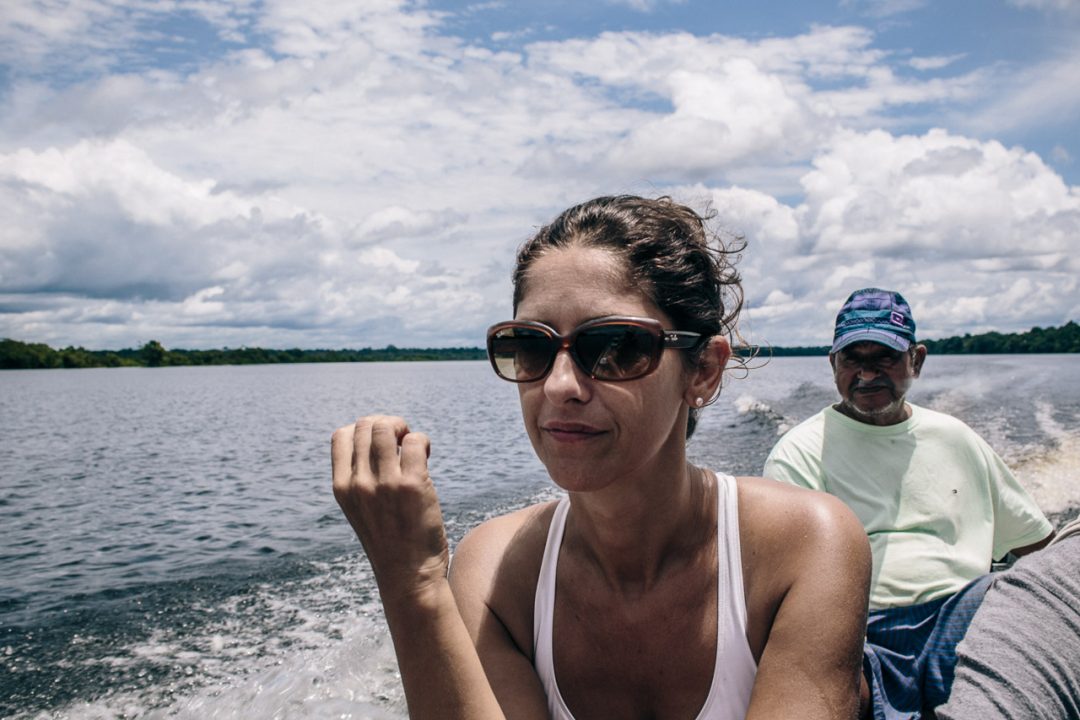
382,484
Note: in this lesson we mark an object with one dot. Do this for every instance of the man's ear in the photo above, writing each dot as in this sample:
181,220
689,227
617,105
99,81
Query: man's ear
919,359
706,377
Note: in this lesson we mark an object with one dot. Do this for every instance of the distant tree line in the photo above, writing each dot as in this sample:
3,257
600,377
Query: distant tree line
1064,339
16,355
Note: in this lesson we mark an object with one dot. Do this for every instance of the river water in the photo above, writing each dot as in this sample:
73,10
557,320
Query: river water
170,547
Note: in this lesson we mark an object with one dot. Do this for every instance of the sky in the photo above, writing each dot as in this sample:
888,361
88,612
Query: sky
360,173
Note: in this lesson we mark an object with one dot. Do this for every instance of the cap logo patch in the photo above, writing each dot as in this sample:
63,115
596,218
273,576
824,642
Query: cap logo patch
896,318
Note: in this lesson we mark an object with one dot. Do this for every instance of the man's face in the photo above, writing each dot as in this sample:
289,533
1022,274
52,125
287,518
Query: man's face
873,379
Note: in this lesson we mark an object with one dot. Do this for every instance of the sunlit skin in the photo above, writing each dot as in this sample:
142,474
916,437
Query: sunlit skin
873,380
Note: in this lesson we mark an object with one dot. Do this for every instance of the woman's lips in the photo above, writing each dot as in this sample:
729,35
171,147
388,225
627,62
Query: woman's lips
571,432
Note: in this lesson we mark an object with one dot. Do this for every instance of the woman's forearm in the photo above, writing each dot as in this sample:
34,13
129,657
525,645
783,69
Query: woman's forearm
440,668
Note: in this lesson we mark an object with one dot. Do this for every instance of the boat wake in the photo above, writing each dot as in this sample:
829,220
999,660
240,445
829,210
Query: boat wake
761,413
1051,472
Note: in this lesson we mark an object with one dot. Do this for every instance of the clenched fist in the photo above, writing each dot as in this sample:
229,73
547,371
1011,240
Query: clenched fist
382,484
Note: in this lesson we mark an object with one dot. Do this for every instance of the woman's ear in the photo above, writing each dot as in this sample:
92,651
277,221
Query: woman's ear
705,378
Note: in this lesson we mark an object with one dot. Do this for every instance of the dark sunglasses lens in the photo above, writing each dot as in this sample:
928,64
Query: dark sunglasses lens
521,353
616,352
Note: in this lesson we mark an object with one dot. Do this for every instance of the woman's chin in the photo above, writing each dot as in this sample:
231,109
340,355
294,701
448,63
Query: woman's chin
578,479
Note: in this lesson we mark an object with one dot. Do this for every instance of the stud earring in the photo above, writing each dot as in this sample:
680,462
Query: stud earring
699,402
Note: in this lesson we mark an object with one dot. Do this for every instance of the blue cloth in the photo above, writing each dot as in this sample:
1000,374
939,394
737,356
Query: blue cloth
910,652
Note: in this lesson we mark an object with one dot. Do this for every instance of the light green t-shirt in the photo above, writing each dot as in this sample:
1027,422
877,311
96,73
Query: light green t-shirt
937,502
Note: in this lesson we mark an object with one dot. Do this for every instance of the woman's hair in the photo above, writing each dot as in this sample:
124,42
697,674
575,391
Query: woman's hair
670,255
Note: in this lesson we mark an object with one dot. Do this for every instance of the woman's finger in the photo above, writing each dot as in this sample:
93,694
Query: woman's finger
341,458
361,460
415,450
386,433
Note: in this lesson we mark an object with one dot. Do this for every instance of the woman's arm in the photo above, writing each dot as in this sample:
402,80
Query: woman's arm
814,557
493,577
382,484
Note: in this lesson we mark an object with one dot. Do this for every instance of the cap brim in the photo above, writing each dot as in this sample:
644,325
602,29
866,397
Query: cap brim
871,335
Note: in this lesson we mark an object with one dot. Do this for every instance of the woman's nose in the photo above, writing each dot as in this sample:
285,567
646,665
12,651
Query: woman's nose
566,380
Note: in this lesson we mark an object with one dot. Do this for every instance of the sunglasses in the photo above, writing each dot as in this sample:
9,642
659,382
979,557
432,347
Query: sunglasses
608,348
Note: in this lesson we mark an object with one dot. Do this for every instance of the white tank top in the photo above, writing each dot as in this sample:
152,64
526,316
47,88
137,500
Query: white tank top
734,669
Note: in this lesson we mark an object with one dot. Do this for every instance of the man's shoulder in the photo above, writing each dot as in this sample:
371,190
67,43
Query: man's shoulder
796,456
939,421
807,428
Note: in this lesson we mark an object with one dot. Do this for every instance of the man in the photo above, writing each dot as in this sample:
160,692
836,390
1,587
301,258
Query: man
937,502
1020,657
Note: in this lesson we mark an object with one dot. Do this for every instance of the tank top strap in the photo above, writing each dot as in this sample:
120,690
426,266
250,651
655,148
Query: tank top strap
729,542
734,669
544,614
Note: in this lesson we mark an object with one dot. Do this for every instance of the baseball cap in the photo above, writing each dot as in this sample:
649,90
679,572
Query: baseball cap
875,315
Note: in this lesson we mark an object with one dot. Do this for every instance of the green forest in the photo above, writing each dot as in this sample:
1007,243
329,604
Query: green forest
1064,339
20,355
15,354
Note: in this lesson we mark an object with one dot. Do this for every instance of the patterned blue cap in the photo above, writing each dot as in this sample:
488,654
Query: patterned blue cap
876,315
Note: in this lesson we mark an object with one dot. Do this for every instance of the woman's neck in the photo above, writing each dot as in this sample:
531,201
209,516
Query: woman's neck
636,531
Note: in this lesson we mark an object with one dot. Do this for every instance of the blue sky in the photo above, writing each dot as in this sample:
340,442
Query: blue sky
352,174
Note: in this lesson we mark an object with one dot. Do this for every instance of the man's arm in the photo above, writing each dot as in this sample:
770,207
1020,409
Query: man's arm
1018,657
1028,549
1020,526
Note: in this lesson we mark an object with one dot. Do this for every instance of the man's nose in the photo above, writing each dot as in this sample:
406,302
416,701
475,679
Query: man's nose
868,373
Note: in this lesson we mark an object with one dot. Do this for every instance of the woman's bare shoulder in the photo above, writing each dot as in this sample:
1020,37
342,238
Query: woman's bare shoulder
806,571
792,519
513,533
495,567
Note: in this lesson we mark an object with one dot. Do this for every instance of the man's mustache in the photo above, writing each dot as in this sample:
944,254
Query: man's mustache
880,384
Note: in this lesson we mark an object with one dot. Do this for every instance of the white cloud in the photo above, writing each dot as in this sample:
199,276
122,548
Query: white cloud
79,38
644,5
364,177
119,228
1045,93
936,193
339,26
1060,155
972,219
202,304
1067,5
936,62
885,8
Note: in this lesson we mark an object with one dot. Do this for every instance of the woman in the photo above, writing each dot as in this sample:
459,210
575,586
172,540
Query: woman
657,589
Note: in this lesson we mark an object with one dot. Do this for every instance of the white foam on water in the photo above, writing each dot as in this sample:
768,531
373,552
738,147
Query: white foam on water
316,647
357,678
749,405
1052,476
354,679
